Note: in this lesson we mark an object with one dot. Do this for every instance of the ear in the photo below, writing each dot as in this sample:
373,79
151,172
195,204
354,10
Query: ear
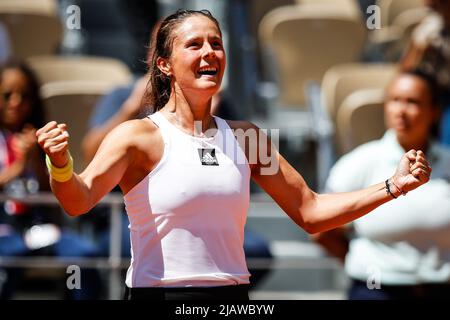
164,65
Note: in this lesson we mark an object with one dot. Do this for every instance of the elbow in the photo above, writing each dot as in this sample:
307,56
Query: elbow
309,224
315,225
309,217
75,211
311,228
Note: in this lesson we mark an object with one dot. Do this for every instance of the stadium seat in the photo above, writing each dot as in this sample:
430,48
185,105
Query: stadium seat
341,80
72,102
305,41
33,27
360,119
65,68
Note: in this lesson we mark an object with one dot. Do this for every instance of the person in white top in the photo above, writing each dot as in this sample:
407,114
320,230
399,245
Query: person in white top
402,249
185,174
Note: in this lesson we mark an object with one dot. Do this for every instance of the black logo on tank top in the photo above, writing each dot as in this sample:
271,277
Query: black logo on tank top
208,157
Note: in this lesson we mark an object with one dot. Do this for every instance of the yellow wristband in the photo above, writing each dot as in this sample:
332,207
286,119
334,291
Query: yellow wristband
60,174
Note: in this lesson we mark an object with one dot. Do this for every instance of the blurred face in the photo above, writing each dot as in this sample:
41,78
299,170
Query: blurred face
16,104
198,59
409,109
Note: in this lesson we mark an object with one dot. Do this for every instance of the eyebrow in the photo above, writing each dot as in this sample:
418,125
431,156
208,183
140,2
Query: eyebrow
196,37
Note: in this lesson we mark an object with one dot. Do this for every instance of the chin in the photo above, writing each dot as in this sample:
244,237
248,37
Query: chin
212,88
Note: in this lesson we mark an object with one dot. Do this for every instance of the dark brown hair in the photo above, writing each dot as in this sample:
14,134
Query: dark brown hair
160,84
36,117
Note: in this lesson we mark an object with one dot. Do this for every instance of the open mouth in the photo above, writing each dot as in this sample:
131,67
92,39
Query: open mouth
207,71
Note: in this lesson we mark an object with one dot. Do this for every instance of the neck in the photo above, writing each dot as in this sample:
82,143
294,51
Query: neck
189,112
418,145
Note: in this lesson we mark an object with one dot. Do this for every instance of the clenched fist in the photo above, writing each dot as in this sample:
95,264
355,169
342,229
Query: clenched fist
413,171
54,140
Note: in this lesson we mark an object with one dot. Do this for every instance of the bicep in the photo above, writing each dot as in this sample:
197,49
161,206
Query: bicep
109,164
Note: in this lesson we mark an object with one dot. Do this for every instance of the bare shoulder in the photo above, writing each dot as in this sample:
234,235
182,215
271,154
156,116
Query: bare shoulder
133,132
136,126
141,141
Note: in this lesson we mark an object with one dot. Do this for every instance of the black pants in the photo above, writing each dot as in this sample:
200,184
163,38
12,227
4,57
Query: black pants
236,292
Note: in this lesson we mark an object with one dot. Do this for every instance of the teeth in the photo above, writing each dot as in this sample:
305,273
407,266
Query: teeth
207,69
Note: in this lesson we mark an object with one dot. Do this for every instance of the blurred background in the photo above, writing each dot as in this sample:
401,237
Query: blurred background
293,65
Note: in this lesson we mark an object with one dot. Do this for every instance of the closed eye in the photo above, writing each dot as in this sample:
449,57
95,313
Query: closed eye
193,44
217,44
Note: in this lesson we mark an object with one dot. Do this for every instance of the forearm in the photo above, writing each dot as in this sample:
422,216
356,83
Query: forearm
95,136
12,172
73,195
78,193
411,58
329,211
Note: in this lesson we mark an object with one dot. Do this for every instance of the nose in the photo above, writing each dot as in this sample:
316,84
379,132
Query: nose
15,100
402,107
208,51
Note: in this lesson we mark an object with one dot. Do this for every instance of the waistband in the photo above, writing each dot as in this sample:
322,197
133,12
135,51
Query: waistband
235,292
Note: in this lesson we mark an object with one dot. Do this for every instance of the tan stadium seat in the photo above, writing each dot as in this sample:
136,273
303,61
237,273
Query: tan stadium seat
398,20
341,80
43,6
306,40
71,86
68,68
33,27
350,6
391,9
72,102
257,9
360,119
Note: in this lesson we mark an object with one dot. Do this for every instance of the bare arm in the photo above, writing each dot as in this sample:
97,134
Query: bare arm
321,212
83,191
27,154
11,172
315,212
412,57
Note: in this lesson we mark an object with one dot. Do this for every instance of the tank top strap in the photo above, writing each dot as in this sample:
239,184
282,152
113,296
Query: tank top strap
158,119
222,125
163,125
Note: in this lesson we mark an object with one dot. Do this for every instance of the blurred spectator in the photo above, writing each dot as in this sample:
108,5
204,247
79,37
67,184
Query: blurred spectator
29,230
401,250
429,52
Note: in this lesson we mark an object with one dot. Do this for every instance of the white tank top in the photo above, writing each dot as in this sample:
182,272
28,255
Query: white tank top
187,215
